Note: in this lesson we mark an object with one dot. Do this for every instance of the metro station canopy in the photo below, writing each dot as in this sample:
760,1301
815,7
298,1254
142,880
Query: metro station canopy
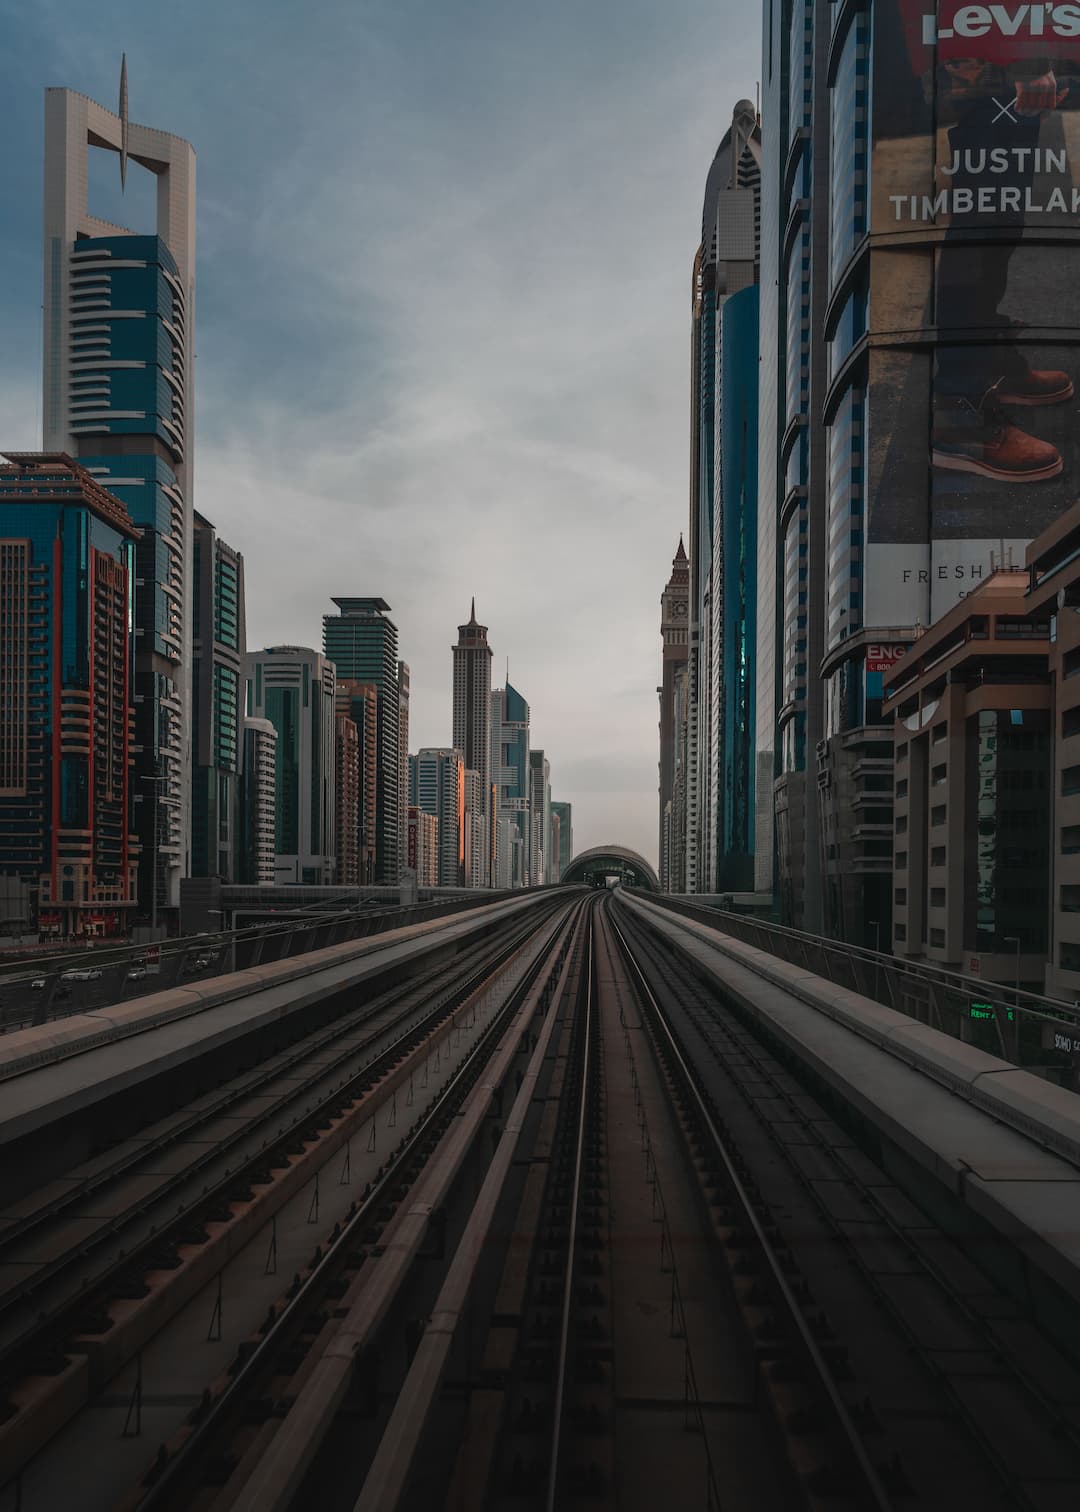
611,861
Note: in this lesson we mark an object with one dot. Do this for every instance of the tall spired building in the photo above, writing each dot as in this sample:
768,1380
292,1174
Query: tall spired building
472,719
119,311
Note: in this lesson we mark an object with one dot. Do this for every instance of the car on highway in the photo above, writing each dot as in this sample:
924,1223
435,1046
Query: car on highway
81,974
137,972
40,983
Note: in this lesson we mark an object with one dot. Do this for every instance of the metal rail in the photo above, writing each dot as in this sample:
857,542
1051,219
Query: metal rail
558,1406
177,1471
874,1493
46,1323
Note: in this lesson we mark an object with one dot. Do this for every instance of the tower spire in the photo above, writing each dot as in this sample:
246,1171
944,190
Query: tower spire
472,611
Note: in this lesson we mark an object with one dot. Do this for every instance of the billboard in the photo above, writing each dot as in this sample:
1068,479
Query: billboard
974,441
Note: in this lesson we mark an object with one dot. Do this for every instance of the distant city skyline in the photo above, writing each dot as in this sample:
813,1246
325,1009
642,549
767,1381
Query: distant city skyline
339,396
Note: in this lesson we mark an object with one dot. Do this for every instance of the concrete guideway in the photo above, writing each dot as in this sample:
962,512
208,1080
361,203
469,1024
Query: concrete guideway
1001,1140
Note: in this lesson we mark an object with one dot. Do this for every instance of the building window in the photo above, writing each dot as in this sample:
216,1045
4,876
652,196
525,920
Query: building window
1069,956
901,860
937,897
938,733
899,931
1070,662
1070,839
937,939
937,815
939,774
1070,898
1070,722
900,895
901,824
937,856
1070,780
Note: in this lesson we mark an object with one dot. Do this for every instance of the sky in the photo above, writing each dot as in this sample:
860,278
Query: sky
442,320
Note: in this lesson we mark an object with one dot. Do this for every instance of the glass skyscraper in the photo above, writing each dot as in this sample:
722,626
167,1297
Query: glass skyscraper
118,395
362,642
218,651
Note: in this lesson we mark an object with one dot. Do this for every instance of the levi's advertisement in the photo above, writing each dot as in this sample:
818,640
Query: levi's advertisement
976,206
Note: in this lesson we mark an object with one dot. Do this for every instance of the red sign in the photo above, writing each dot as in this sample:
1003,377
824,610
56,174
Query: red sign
882,655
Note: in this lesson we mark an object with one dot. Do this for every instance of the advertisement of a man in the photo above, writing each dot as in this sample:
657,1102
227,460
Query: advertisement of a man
976,166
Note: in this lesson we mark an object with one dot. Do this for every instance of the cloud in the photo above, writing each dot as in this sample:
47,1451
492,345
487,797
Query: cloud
442,330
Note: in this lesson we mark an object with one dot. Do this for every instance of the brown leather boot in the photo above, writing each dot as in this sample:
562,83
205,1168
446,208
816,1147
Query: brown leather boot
995,449
1036,386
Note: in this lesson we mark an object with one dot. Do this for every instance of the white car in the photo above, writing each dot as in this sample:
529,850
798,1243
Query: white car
81,974
137,974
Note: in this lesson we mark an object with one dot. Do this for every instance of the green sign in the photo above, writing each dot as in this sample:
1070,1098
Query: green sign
985,1011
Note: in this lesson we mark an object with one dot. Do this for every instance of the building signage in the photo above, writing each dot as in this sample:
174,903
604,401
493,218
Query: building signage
975,218
882,655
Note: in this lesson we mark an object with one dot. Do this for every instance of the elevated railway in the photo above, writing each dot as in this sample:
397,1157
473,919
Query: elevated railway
569,1201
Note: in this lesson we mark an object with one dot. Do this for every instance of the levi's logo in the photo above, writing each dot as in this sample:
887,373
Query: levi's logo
1048,19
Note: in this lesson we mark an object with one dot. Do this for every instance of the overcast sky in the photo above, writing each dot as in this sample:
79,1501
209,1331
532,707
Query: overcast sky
442,319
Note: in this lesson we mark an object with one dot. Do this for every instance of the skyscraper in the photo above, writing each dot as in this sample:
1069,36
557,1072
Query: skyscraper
347,801
674,618
510,773
293,687
363,645
404,693
360,701
258,804
67,553
566,835
722,530
472,719
440,790
218,651
539,817
476,830
119,312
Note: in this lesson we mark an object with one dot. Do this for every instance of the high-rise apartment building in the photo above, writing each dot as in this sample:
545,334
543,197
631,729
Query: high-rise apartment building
674,635
553,858
539,817
67,557
293,687
347,801
723,511
119,311
472,721
510,774
404,691
258,804
360,701
476,830
218,652
363,645
440,790
565,853
423,846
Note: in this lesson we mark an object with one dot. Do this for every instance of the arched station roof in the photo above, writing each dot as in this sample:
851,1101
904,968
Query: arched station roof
609,859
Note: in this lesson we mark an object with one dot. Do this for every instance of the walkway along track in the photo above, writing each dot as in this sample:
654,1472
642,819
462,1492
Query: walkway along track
82,1295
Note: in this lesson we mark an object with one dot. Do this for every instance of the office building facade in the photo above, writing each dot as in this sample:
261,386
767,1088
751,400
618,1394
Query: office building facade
921,242
362,642
218,653
674,637
440,791
564,855
539,818
723,510
510,774
67,563
258,804
293,687
119,311
472,721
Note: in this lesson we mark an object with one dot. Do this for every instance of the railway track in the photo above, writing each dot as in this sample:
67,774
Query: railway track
137,1225
620,1255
